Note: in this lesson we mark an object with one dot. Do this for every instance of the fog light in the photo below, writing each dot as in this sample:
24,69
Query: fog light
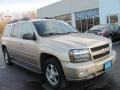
83,74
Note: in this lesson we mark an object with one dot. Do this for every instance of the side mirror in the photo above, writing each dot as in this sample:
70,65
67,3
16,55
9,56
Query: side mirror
29,36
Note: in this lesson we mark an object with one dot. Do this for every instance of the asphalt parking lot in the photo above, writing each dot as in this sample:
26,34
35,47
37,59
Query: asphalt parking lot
17,78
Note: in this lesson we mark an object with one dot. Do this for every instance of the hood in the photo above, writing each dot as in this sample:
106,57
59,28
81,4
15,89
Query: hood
77,40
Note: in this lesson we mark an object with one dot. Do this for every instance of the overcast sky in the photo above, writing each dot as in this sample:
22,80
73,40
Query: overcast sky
23,5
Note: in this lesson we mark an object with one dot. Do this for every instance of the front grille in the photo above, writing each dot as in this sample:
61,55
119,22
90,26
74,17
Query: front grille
100,52
101,55
99,47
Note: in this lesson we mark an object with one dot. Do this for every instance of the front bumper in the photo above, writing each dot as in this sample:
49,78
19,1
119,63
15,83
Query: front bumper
86,70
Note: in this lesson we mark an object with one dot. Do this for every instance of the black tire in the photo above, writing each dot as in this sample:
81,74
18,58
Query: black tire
61,78
7,58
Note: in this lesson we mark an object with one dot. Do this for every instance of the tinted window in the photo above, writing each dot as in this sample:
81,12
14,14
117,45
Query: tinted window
113,27
7,31
94,31
98,27
26,29
51,27
16,30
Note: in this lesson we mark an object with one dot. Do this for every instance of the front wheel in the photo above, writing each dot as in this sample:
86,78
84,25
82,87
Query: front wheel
54,74
7,57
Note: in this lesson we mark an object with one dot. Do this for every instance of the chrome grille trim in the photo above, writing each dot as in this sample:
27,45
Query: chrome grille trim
99,47
100,52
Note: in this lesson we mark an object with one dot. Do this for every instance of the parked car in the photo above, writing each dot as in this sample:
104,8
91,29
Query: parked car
111,31
57,50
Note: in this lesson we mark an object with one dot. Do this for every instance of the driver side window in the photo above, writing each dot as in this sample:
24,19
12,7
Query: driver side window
27,28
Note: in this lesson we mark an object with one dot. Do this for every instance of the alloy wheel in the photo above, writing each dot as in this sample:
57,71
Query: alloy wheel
52,74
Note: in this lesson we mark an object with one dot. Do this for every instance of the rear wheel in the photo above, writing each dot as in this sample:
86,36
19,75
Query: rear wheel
7,57
54,74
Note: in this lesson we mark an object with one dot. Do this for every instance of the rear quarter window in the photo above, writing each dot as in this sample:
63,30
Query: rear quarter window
7,31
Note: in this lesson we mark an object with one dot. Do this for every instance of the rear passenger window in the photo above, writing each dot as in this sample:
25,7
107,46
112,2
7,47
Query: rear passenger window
7,31
16,30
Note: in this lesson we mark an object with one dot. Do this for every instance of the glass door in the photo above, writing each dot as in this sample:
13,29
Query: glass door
86,19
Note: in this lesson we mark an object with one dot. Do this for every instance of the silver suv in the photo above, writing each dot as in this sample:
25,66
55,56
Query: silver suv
57,50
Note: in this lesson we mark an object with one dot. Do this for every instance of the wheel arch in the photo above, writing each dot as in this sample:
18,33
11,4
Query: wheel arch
45,56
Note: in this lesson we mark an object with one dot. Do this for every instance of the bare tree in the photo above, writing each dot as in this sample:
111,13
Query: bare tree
3,21
30,14
1,14
2,25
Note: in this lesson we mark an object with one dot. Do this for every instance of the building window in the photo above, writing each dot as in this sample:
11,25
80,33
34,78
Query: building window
96,20
87,19
114,19
67,18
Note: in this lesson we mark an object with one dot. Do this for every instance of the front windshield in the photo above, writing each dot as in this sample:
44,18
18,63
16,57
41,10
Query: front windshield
53,27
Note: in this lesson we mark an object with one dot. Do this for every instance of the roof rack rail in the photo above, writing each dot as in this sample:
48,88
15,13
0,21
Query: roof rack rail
18,20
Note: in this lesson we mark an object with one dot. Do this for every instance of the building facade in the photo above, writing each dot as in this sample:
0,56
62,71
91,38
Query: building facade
109,11
82,14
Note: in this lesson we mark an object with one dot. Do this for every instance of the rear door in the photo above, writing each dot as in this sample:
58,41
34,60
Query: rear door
13,44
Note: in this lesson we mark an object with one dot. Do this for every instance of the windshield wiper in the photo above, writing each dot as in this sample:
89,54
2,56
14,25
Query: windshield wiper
72,32
54,34
47,34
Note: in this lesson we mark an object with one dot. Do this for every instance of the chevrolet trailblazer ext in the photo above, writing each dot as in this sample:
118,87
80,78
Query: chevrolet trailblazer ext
57,50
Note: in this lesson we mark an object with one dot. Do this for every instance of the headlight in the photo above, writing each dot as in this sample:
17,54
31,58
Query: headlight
79,55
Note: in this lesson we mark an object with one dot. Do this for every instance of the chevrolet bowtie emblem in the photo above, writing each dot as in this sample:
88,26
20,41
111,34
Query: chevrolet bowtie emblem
103,50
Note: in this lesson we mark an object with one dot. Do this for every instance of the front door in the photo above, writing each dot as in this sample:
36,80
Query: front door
29,48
